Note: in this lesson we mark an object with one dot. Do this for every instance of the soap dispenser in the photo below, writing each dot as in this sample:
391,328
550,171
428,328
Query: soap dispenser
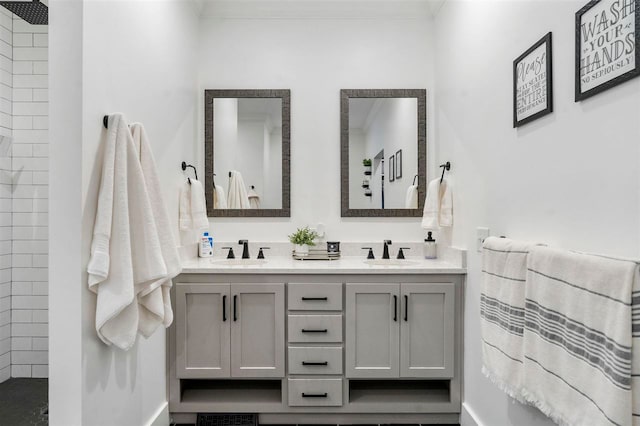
430,247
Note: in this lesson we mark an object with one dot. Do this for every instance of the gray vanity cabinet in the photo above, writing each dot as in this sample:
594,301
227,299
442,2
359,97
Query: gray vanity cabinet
399,330
225,330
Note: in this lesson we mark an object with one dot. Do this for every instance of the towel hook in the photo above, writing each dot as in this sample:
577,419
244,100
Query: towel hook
105,121
445,166
184,167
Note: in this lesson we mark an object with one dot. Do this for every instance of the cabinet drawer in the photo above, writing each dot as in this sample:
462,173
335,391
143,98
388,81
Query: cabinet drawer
315,296
315,328
315,392
315,360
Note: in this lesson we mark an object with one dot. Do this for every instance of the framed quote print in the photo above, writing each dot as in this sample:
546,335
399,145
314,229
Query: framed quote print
533,83
607,41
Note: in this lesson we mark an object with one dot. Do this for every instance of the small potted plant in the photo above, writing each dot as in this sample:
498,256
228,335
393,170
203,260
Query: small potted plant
367,166
303,238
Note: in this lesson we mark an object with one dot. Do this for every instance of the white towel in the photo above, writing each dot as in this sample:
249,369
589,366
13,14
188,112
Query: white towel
254,199
193,207
411,199
578,337
504,271
438,205
126,253
154,300
238,198
219,199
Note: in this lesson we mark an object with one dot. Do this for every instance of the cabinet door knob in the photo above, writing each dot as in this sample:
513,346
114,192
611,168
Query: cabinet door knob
307,330
395,308
235,307
315,298
315,363
406,307
224,308
314,395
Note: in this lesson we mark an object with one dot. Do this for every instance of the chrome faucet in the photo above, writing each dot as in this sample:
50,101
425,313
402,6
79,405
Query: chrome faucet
385,253
245,249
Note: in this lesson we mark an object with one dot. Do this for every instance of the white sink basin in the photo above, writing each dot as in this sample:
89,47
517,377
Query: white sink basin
390,262
239,262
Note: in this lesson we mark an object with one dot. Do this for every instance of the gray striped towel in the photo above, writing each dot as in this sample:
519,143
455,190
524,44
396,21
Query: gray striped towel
578,337
504,270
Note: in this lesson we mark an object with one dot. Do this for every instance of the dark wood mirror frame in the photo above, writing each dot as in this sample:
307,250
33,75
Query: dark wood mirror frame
345,95
209,152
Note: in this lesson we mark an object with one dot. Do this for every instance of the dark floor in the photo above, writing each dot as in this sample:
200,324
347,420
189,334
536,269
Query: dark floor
24,402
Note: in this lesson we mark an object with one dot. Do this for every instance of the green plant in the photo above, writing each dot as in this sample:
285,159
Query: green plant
304,236
366,162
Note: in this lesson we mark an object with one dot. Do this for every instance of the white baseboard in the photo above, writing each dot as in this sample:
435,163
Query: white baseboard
468,417
161,417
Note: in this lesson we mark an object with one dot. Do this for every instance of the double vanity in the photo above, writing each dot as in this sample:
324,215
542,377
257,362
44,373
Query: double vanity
343,341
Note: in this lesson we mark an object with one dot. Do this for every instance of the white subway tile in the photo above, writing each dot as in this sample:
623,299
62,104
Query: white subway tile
23,67
29,302
40,261
5,346
30,108
6,91
40,343
40,288
29,233
29,330
5,374
20,26
20,371
30,136
23,40
35,247
40,371
6,49
5,331
33,164
5,304
5,275
21,316
40,316
5,246
6,191
6,64
41,67
5,163
29,357
31,81
20,205
6,77
6,20
5,262
41,40
21,288
23,178
5,290
22,123
21,343
6,106
6,35
30,53
22,260
41,205
25,191
5,360
6,121
41,122
24,95
29,274
40,178
5,317
27,219
5,205
22,150
41,149
41,95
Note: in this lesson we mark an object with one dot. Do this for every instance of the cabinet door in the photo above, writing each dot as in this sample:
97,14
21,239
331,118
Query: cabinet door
202,330
426,333
372,330
257,330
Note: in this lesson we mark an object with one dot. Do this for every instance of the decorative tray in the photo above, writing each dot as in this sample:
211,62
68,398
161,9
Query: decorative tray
317,254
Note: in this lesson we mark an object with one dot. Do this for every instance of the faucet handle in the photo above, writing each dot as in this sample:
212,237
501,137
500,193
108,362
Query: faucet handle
401,253
243,242
260,253
387,242
370,255
230,255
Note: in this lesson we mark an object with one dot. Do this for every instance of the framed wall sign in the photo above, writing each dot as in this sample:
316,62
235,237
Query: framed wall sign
533,83
607,42
398,164
392,166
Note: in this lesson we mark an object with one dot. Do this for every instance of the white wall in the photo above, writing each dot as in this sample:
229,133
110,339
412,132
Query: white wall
315,55
570,179
135,57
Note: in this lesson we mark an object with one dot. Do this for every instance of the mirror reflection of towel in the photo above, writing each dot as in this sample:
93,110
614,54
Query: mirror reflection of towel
411,199
219,199
254,199
237,198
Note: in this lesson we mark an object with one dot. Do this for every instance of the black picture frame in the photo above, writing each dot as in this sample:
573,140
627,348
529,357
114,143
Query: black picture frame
392,171
399,164
527,75
593,59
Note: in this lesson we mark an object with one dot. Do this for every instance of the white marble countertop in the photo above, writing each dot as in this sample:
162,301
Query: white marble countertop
344,265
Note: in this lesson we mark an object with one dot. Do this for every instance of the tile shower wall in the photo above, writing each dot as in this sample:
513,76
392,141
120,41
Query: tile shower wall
30,151
6,83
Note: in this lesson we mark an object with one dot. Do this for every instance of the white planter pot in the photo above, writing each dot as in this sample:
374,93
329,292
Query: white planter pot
301,249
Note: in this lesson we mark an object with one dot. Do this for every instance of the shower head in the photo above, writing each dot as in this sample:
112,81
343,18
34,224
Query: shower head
34,12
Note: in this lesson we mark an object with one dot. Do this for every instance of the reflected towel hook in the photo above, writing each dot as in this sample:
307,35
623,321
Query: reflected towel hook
445,166
105,121
184,167
414,180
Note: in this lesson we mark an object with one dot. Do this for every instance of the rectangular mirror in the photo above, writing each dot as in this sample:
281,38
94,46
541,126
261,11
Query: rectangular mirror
247,151
383,150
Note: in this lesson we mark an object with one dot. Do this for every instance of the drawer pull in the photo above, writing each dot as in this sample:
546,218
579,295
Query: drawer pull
314,395
315,298
306,330
315,363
